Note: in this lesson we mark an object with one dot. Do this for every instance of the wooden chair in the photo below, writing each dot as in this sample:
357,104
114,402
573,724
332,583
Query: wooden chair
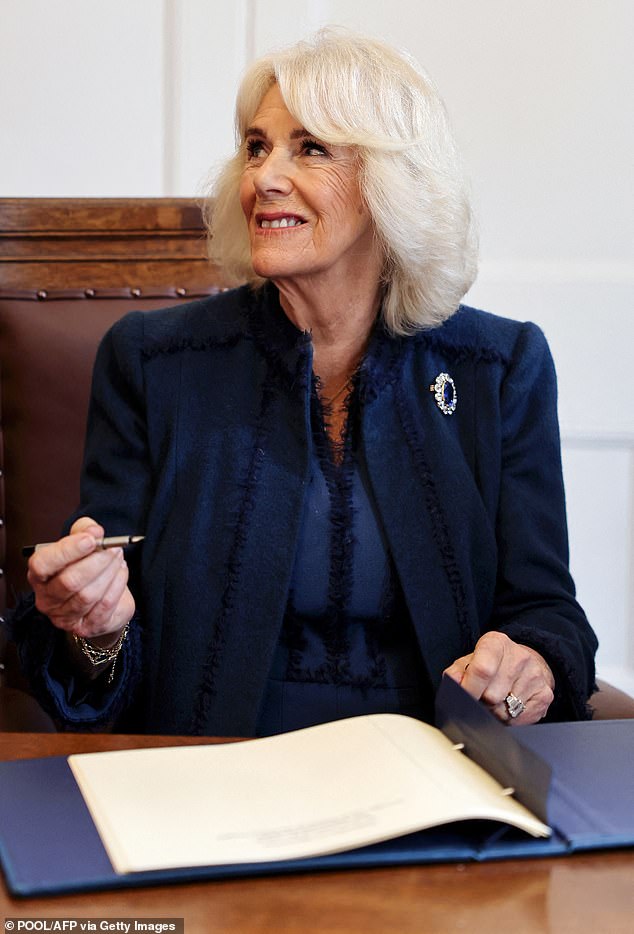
69,269
610,703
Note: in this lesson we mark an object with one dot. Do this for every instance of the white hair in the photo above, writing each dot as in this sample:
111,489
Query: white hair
356,91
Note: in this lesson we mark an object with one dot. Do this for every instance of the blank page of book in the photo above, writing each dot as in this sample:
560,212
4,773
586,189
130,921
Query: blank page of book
320,790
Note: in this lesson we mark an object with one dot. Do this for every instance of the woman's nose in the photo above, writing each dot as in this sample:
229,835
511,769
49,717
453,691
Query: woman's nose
274,174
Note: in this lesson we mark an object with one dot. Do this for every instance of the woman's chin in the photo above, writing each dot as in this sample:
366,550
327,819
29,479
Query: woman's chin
272,269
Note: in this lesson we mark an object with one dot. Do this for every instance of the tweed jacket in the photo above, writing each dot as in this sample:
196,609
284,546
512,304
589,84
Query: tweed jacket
199,438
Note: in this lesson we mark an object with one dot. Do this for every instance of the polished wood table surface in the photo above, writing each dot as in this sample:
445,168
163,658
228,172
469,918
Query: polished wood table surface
588,892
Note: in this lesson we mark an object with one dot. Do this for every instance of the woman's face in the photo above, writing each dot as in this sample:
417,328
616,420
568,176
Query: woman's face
302,202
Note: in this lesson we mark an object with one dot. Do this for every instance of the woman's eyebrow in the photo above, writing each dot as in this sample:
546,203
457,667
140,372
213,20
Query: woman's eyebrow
298,133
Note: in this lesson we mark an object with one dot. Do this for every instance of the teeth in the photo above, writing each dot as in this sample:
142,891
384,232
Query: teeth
282,222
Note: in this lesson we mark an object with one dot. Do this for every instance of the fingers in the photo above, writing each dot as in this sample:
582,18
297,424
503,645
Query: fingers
523,673
86,592
49,560
499,667
534,686
110,614
85,523
79,587
459,667
481,678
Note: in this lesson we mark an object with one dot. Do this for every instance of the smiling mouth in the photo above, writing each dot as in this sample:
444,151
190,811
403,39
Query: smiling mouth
278,223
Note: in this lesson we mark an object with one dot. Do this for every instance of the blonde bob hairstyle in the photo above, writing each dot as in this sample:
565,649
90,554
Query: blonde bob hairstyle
356,91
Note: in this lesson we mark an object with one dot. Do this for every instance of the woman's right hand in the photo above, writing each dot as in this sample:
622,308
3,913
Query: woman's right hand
81,588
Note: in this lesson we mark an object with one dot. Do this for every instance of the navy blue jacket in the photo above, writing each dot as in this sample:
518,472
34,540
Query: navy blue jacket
199,437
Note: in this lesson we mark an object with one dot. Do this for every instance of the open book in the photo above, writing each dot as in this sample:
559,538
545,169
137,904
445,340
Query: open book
318,790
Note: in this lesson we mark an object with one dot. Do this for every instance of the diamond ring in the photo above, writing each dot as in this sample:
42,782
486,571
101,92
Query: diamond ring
514,705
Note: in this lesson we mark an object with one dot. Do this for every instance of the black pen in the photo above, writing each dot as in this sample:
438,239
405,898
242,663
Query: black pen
114,541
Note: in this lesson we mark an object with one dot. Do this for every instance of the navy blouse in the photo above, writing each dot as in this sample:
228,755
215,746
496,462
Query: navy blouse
347,646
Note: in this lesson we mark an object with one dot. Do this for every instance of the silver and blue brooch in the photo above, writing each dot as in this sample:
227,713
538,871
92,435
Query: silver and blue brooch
444,390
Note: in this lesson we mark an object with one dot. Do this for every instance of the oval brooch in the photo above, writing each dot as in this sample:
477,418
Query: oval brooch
445,394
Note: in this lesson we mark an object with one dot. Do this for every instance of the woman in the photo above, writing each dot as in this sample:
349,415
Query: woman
347,483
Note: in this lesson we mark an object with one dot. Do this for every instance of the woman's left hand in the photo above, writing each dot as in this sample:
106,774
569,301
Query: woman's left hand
498,668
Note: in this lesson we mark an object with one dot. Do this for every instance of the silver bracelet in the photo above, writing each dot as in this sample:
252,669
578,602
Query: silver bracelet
98,656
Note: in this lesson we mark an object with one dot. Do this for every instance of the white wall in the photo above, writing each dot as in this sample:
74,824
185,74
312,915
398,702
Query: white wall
134,97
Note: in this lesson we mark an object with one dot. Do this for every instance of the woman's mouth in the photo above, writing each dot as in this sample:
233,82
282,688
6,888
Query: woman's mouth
276,223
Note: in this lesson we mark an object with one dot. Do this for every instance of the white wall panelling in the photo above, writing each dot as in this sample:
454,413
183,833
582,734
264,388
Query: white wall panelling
207,43
135,97
81,104
599,477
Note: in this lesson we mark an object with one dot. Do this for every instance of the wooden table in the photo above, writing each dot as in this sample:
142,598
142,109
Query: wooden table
589,892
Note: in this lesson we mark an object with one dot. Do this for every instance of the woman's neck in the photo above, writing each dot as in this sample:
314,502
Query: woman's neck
339,321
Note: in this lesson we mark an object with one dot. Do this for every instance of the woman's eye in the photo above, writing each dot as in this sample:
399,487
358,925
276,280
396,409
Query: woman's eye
255,148
312,148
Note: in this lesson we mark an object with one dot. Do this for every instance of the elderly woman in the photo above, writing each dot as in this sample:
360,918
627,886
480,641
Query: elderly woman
347,482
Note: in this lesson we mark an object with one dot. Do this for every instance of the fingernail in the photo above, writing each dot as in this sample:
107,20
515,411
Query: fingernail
86,543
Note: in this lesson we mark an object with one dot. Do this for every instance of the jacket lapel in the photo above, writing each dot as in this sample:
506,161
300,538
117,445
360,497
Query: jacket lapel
428,503
265,540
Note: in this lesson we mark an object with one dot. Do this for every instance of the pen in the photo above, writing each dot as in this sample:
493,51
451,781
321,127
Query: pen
114,541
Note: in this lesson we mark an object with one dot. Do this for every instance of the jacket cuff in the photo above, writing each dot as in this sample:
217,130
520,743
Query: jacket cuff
75,704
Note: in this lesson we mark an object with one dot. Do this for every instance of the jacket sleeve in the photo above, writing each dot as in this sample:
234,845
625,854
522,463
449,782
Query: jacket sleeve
535,596
115,490
73,702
